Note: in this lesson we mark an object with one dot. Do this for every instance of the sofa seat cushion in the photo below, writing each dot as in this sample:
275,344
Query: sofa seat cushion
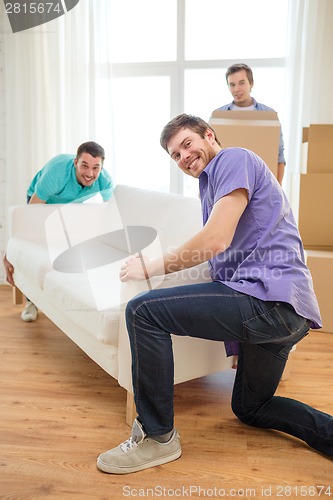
92,304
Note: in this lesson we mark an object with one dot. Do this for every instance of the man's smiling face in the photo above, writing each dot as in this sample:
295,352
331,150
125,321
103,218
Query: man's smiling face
87,169
191,152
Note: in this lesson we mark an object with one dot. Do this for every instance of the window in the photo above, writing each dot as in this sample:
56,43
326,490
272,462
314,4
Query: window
143,31
140,111
221,29
169,57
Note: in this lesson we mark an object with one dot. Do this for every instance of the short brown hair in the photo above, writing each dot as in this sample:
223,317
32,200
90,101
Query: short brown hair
239,67
194,123
91,148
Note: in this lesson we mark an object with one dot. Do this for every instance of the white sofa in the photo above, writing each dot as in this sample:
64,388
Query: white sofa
87,303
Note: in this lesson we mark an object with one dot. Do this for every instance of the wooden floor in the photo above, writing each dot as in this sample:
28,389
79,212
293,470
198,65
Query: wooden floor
59,410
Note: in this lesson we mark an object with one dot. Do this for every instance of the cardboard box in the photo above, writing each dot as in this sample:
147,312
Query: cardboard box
319,139
320,264
258,131
315,219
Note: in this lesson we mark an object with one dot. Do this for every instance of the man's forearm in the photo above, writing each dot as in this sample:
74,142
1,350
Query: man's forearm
198,249
34,199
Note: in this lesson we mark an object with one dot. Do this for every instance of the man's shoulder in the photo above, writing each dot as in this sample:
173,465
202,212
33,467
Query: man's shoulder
232,152
105,176
225,107
222,160
259,106
61,160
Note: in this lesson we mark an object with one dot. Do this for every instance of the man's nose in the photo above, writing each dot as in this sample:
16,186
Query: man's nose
184,155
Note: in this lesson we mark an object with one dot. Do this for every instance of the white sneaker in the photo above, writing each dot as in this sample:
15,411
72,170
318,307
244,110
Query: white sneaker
30,312
139,452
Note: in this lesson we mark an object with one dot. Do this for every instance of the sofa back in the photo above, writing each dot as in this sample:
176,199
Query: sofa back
176,218
56,228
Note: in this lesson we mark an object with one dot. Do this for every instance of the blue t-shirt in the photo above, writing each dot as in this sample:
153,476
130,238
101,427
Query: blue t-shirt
56,183
258,106
266,256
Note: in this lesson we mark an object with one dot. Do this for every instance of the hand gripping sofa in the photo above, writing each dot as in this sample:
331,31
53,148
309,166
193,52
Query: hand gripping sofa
67,260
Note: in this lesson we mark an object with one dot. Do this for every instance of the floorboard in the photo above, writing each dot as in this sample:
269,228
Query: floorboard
59,410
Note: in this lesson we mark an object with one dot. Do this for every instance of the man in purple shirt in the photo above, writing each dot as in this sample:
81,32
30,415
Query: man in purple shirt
261,296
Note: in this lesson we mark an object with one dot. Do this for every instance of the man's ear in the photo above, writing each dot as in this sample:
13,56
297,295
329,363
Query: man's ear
75,162
210,136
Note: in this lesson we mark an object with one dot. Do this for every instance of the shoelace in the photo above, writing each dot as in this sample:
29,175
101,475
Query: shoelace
128,445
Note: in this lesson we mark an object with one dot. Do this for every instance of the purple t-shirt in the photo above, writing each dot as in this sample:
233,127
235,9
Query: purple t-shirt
266,257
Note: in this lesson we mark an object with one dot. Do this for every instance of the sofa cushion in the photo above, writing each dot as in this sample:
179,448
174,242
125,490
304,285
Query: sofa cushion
92,302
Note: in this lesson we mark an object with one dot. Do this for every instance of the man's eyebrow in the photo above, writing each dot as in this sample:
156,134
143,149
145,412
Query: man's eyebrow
184,140
181,144
95,164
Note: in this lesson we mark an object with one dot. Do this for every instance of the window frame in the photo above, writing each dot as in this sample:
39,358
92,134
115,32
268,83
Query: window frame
175,70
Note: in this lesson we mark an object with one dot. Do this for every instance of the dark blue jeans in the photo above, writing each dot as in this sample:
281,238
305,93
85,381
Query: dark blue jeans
266,331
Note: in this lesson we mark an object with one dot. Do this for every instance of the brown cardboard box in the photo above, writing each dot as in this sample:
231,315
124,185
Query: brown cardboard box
258,131
320,264
316,211
319,139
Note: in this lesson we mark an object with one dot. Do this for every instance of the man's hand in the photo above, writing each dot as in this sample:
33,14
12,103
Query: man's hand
134,269
9,271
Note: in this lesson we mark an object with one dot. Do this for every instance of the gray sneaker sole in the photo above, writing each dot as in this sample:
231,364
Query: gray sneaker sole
128,470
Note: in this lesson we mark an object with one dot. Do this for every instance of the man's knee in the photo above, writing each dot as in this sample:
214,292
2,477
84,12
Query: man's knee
243,412
134,304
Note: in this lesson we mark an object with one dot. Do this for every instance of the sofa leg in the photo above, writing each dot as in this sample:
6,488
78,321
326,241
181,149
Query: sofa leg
286,371
130,409
17,296
287,368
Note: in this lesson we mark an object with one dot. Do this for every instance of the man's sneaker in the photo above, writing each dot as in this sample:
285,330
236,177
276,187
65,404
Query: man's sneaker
139,452
30,312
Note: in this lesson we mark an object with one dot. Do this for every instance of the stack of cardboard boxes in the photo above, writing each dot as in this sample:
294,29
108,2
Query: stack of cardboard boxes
258,131
316,214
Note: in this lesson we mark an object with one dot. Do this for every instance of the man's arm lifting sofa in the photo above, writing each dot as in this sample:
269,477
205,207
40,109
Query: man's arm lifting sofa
86,300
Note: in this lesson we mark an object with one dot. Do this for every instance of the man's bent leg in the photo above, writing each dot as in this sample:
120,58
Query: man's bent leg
210,311
253,401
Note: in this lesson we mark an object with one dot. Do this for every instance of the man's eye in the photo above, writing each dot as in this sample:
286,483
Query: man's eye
188,144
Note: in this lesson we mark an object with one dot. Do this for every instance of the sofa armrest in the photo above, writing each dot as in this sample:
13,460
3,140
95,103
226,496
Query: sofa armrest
27,222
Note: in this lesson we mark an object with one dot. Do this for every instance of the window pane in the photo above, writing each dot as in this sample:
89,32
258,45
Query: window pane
144,31
141,108
205,90
221,29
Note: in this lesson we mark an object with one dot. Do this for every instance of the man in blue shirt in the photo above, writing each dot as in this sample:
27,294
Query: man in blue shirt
66,179
239,78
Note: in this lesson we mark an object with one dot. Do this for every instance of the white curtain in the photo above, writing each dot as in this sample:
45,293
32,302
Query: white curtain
309,79
53,92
